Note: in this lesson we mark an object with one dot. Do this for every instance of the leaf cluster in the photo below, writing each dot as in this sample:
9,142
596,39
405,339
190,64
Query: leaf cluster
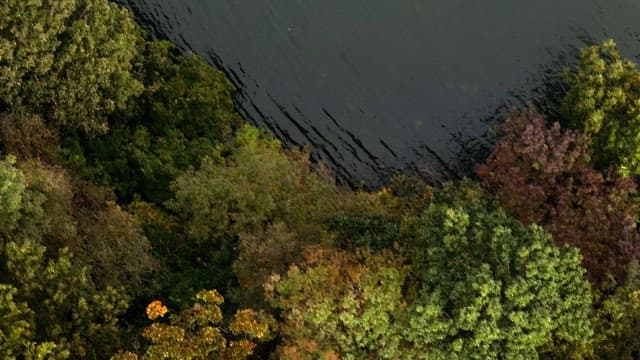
543,174
199,332
489,287
603,101
184,114
69,61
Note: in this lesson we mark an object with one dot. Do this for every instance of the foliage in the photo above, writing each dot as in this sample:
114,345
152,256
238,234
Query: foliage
67,60
488,287
197,333
480,286
256,185
17,330
617,321
377,225
257,190
12,187
603,101
407,272
341,306
376,231
52,308
542,175
185,113
84,218
26,136
413,195
184,92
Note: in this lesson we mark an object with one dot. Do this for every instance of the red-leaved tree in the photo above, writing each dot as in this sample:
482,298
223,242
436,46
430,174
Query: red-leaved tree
543,175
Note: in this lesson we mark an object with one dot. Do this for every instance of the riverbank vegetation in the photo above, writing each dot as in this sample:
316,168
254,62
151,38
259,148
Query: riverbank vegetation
142,217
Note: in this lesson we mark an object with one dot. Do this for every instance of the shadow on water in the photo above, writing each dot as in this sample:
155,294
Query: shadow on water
544,89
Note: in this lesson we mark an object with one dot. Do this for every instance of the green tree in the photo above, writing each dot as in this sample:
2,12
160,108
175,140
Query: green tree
617,321
183,92
489,288
603,101
50,307
17,338
255,188
67,60
12,187
185,113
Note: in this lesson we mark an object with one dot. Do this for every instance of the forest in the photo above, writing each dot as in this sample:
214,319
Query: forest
142,218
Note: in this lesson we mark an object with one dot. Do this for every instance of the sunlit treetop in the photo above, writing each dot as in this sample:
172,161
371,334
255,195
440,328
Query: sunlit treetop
67,60
603,101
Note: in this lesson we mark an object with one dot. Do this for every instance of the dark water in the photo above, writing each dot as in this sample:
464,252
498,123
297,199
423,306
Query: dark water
374,86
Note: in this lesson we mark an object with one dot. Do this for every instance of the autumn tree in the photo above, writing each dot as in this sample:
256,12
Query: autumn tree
543,175
27,136
83,217
603,101
199,332
67,60
338,305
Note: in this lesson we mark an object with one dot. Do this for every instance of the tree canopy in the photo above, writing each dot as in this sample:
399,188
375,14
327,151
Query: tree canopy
127,176
67,60
50,307
488,287
478,285
543,175
603,101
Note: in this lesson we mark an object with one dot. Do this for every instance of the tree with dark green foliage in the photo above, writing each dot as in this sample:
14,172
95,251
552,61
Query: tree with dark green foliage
376,231
617,321
67,60
52,307
185,113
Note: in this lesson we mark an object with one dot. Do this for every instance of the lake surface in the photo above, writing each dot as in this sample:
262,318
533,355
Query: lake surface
377,86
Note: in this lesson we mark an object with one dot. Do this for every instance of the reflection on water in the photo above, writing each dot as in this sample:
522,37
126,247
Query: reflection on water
375,86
